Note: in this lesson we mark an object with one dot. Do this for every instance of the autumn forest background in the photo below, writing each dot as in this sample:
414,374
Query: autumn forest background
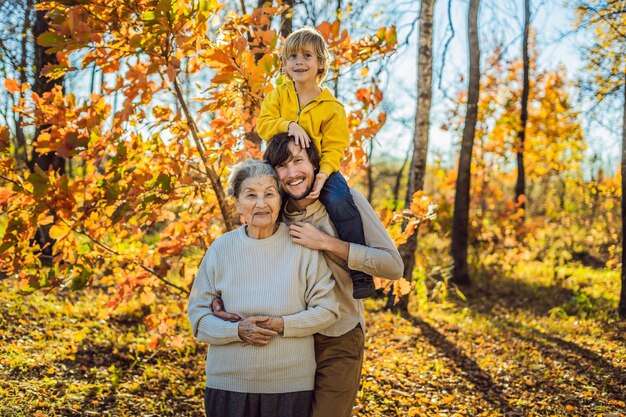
119,119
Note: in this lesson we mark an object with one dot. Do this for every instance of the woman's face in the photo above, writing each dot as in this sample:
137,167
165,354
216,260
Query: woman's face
259,204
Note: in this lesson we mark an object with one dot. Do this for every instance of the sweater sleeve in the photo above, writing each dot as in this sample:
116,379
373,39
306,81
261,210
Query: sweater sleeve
322,308
269,123
335,139
204,325
380,257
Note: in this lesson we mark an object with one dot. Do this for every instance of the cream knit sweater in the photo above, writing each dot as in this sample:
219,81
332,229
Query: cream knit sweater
271,276
379,258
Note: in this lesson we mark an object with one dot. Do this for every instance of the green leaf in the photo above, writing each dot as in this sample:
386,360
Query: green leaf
112,192
64,184
39,182
81,280
5,246
120,212
148,16
136,42
55,72
203,6
50,39
165,181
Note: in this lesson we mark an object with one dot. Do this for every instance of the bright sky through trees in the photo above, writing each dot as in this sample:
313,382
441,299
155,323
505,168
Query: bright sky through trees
552,24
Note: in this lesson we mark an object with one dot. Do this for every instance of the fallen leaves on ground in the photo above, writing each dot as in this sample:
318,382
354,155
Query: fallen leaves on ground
66,355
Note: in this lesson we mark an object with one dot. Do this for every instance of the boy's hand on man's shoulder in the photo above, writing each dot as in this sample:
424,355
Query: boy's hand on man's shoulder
320,180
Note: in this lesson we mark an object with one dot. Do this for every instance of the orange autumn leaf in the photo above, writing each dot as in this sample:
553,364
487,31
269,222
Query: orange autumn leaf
180,91
154,341
401,287
419,204
178,341
5,194
11,85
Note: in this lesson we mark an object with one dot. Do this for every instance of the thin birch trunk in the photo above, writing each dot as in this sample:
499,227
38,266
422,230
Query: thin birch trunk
460,221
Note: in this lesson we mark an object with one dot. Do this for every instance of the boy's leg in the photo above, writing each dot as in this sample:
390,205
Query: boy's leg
339,361
345,216
341,209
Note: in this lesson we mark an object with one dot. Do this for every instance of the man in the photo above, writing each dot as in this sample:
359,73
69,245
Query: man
339,348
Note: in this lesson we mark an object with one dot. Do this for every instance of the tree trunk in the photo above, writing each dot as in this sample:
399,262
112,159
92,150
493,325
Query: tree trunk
370,174
42,85
48,160
286,19
417,170
20,148
336,76
286,24
460,221
622,300
396,186
520,189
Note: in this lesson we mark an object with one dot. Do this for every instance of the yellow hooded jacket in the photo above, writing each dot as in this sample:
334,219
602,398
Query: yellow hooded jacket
323,119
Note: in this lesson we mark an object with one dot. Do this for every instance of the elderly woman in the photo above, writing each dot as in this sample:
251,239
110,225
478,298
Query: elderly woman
263,365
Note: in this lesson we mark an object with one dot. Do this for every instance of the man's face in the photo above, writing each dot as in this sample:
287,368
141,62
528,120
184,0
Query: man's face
296,173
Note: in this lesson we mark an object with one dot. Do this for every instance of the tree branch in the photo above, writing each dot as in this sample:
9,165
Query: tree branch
445,50
97,242
113,251
225,208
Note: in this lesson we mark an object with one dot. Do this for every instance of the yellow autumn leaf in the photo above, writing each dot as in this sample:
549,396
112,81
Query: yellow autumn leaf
59,231
44,219
147,297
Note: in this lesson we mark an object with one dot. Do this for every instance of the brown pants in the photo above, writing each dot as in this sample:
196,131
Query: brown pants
339,361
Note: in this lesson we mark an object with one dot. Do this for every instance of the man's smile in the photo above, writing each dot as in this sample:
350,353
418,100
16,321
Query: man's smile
295,182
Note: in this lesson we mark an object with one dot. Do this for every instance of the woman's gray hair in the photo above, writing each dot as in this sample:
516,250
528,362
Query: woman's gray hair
249,168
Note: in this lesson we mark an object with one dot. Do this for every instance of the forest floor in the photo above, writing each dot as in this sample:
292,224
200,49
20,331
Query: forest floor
520,346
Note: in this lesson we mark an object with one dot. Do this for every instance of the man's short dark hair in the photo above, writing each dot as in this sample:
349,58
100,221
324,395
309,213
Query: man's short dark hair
277,151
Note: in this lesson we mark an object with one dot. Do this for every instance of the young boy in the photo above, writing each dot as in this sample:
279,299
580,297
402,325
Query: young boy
309,112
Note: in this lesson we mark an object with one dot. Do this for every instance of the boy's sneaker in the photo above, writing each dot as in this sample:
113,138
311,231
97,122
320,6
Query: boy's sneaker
362,285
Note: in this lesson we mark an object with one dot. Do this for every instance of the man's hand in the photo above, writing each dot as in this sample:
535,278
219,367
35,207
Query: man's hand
320,180
299,134
218,311
251,334
309,236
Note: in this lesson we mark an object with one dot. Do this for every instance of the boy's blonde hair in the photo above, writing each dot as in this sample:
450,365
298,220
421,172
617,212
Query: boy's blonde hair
308,36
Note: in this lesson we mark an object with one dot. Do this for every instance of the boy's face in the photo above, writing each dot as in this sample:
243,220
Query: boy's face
303,66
